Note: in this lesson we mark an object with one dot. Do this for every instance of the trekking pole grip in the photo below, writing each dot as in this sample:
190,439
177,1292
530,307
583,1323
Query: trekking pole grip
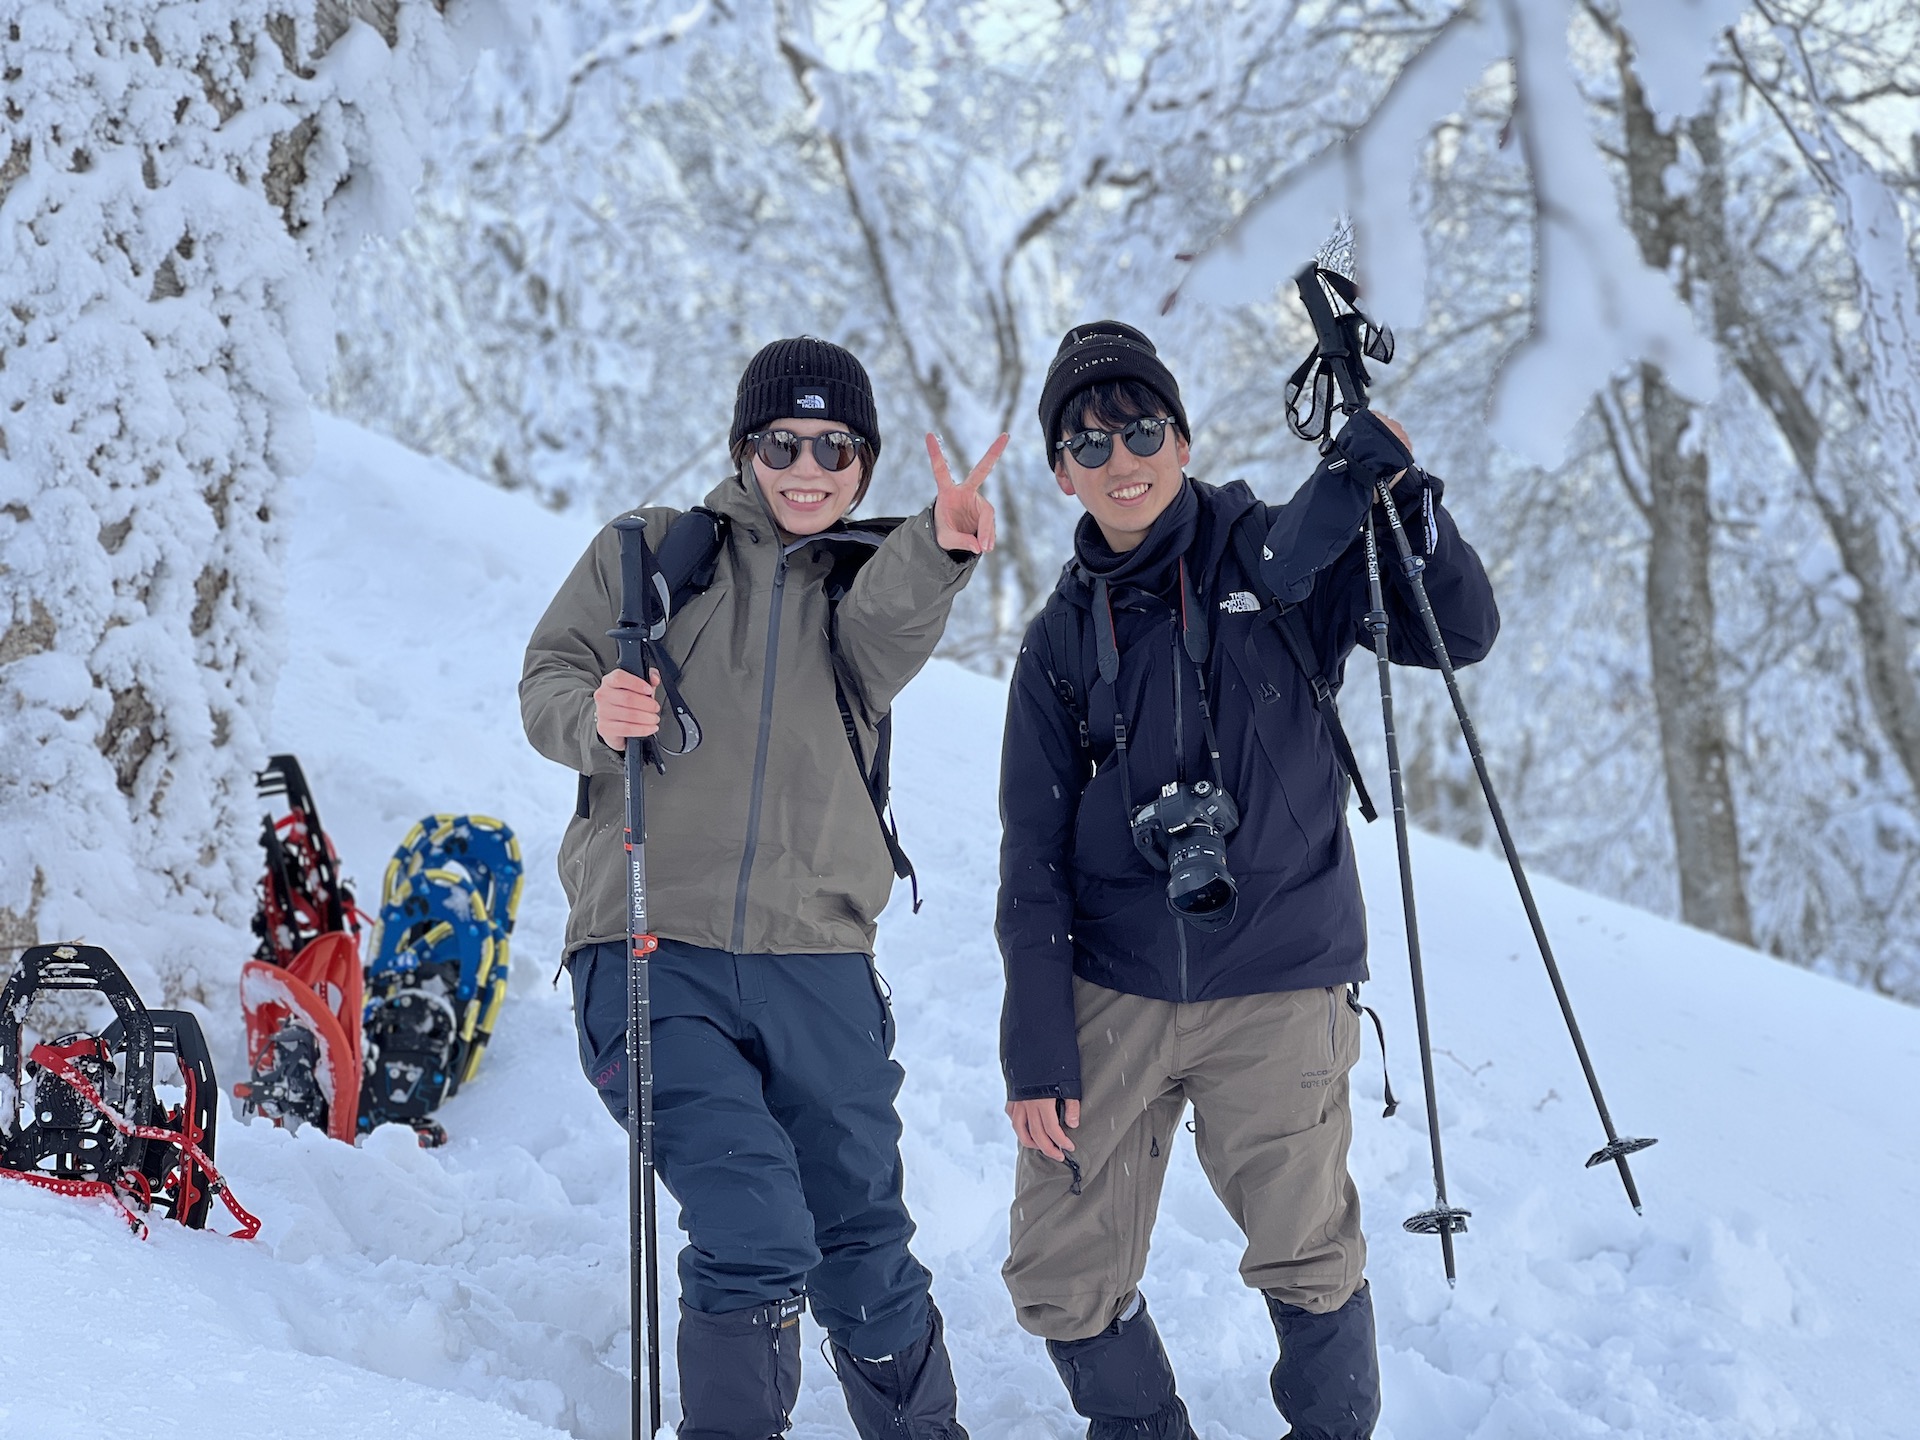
1332,339
630,635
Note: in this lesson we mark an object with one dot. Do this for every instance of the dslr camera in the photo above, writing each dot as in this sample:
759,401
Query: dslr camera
1184,832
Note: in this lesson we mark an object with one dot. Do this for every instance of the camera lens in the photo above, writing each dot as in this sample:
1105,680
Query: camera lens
1199,887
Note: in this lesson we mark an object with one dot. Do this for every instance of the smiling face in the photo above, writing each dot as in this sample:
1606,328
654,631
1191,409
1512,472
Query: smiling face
804,498
1128,493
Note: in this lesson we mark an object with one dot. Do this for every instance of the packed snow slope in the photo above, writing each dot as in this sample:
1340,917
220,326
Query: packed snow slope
479,1291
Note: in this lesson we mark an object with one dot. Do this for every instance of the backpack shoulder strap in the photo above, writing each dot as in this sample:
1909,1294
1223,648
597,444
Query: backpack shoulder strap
1292,627
1061,661
851,549
688,555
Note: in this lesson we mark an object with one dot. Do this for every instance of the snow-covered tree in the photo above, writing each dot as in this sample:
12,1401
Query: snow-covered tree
177,184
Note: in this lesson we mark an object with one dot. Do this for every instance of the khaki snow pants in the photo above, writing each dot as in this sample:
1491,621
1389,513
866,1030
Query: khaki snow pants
1267,1075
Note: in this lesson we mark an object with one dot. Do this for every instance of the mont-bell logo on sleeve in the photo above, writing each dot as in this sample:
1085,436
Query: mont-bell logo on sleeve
808,400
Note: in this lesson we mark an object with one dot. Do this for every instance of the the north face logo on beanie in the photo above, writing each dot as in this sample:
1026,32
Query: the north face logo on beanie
806,378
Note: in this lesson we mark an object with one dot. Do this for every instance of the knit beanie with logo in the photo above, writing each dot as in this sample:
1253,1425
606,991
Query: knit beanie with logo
805,379
1094,354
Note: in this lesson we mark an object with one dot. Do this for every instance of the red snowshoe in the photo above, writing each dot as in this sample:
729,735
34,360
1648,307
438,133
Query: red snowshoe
303,1037
302,990
93,1123
302,896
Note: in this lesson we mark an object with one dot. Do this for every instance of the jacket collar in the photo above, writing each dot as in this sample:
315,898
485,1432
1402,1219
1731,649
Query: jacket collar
1203,538
740,500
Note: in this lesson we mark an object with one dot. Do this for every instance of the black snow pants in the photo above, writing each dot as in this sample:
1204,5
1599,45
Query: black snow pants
775,1130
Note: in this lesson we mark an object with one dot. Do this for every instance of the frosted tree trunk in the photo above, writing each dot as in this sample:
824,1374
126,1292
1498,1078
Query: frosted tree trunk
1681,641
175,186
1686,675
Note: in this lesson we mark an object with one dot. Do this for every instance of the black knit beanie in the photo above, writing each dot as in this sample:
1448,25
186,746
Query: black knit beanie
805,379
1094,354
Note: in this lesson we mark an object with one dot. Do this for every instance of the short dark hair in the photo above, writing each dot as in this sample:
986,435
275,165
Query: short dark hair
1110,405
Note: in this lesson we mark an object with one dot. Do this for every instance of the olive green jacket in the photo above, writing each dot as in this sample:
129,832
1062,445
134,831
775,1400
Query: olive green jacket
764,839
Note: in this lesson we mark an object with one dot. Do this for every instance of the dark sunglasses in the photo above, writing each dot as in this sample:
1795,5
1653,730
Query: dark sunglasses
1093,448
777,449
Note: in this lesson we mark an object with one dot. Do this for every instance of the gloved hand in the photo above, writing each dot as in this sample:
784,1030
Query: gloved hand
1315,527
1367,451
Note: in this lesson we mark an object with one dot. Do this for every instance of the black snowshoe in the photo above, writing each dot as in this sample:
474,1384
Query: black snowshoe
79,1114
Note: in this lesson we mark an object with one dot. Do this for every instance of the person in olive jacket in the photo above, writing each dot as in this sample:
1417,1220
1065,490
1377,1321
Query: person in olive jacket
767,869
1145,973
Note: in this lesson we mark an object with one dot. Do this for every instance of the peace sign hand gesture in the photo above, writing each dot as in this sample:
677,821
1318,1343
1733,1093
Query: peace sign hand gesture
962,516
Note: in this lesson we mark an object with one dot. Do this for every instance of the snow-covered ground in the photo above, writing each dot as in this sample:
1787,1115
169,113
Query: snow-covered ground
479,1291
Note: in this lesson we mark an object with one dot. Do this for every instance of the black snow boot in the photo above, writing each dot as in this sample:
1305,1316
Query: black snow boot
908,1396
1122,1381
739,1372
1327,1381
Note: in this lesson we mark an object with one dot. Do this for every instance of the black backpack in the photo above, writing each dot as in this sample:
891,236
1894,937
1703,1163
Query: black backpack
684,566
1075,689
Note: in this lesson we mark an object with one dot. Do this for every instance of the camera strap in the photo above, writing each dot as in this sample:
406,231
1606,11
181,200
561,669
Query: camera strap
1106,649
1197,641
1197,635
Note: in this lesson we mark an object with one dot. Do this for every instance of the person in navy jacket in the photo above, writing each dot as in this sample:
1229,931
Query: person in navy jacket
1160,661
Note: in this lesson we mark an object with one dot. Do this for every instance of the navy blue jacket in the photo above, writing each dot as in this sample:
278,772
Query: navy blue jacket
1076,897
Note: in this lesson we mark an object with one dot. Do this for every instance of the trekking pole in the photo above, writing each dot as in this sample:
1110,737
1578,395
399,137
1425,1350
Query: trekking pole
1617,1148
1443,1219
1338,338
634,639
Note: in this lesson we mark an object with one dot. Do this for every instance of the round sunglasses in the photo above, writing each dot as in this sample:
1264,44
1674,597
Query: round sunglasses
1093,448
778,449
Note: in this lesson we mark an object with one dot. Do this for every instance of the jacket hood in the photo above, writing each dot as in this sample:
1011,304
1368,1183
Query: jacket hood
1217,509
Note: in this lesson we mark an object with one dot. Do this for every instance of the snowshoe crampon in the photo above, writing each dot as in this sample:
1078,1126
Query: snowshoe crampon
437,972
80,1114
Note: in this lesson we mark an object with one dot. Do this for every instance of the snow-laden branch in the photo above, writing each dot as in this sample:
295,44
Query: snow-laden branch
618,50
1886,288
1597,306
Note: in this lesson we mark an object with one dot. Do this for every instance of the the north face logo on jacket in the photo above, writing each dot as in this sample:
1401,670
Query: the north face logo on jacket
1240,603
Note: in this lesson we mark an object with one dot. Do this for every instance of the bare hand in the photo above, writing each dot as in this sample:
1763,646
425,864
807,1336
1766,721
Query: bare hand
625,705
1036,1124
962,516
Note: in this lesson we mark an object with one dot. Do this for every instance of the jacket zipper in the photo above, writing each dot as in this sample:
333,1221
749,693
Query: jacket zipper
1179,706
760,751
1180,769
